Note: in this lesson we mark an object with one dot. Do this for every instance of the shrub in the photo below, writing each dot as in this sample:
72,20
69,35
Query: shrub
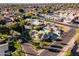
18,53
46,43
2,41
3,35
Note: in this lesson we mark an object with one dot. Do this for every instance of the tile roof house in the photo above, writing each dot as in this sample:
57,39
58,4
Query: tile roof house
28,49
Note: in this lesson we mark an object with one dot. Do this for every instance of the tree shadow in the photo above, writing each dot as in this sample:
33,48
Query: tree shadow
56,46
63,44
54,50
58,40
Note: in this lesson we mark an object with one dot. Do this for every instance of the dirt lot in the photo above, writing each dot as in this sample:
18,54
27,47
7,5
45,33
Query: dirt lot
65,28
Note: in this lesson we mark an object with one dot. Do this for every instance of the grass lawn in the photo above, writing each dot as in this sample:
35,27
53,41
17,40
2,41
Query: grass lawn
68,52
65,28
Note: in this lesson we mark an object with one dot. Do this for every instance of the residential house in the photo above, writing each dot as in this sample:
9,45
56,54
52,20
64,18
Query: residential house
28,49
35,22
4,50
